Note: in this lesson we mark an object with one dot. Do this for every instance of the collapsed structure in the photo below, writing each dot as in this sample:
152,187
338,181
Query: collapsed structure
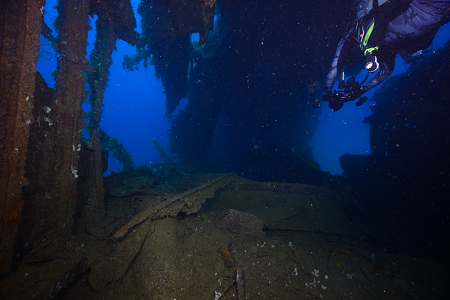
247,74
48,171
41,128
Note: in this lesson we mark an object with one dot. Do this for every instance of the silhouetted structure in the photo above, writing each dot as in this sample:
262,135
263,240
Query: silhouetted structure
407,174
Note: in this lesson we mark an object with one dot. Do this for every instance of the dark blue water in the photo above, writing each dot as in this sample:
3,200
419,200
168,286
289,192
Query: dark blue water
134,108
133,102
389,209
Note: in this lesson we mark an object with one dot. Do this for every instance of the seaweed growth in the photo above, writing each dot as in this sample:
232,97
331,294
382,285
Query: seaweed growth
157,146
166,42
167,168
118,150
100,61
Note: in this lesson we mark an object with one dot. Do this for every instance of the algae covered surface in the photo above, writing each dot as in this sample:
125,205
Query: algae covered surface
201,182
287,240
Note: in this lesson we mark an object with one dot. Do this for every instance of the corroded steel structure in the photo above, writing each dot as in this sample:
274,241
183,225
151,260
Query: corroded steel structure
20,24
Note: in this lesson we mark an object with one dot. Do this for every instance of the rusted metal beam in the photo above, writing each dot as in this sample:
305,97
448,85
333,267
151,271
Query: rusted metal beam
20,24
70,84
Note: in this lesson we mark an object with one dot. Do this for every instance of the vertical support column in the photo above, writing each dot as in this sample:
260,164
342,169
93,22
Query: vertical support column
70,83
20,24
104,46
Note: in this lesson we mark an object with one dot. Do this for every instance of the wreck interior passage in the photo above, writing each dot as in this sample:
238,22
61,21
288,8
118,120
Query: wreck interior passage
179,149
